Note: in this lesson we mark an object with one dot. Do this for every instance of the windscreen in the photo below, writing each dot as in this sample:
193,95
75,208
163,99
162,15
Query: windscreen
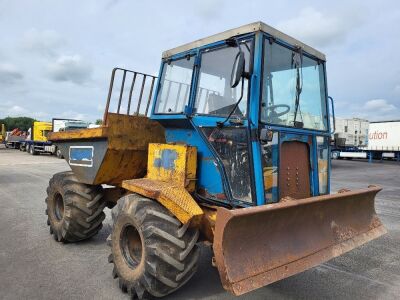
293,90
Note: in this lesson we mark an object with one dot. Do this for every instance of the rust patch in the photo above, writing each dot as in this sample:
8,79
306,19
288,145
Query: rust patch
294,170
87,133
375,222
342,233
287,198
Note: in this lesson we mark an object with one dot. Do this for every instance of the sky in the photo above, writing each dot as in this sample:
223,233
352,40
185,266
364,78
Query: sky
56,57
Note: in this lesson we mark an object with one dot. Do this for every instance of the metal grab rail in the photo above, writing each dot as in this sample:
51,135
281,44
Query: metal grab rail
183,88
135,78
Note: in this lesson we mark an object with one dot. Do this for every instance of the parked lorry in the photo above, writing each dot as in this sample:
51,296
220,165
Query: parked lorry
60,124
384,139
2,133
15,138
383,142
226,158
37,139
341,148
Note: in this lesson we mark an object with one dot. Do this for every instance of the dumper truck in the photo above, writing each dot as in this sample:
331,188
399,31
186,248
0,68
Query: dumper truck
228,146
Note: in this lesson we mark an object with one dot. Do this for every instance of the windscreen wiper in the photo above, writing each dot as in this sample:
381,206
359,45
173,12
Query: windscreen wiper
221,124
297,61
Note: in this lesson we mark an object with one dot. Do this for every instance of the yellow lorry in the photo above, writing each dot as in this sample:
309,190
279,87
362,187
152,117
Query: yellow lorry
2,133
37,141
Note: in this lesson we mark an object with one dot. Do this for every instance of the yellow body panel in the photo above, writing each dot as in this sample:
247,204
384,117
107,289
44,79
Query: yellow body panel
268,177
173,163
207,226
2,133
40,130
175,198
171,176
322,173
79,134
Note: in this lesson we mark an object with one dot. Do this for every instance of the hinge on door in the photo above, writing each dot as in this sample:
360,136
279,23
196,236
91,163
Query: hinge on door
197,61
253,135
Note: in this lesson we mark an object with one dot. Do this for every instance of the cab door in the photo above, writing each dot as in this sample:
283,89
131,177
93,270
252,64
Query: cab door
228,137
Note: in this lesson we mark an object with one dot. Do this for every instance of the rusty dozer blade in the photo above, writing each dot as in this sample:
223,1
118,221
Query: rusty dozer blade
256,246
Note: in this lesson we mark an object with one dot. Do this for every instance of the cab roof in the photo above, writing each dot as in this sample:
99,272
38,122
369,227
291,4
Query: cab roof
249,28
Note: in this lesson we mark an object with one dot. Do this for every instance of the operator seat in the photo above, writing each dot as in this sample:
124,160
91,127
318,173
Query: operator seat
220,105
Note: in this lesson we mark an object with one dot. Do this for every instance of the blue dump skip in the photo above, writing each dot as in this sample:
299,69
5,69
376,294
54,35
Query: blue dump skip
167,159
81,156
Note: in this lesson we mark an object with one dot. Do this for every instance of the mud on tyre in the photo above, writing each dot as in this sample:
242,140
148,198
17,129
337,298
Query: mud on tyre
74,209
152,252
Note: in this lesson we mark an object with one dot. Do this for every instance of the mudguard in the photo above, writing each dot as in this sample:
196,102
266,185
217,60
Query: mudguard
175,198
256,246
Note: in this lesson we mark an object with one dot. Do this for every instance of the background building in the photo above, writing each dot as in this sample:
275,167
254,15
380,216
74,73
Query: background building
354,131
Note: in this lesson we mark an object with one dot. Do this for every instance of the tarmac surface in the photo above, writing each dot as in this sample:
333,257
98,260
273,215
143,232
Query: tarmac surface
34,266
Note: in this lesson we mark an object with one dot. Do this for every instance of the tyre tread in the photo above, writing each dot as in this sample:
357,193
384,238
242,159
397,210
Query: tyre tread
172,252
83,207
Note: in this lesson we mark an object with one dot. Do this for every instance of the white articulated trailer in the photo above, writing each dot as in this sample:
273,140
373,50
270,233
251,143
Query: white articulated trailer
384,139
383,142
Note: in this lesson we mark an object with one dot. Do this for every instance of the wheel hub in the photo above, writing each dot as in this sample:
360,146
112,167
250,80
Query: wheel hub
131,245
58,207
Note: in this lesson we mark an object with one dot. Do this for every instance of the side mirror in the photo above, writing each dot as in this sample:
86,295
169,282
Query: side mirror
237,69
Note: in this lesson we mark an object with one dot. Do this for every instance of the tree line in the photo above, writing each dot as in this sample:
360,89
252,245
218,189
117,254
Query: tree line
23,123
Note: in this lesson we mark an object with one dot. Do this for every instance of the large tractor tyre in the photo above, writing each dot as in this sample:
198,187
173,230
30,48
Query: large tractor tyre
74,209
152,252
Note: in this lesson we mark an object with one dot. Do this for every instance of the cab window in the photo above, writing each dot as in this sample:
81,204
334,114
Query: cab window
174,90
214,95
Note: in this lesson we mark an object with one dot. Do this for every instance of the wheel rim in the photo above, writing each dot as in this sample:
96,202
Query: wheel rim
131,246
58,207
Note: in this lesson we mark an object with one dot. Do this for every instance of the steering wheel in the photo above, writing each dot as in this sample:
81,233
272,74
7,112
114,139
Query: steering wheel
274,113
